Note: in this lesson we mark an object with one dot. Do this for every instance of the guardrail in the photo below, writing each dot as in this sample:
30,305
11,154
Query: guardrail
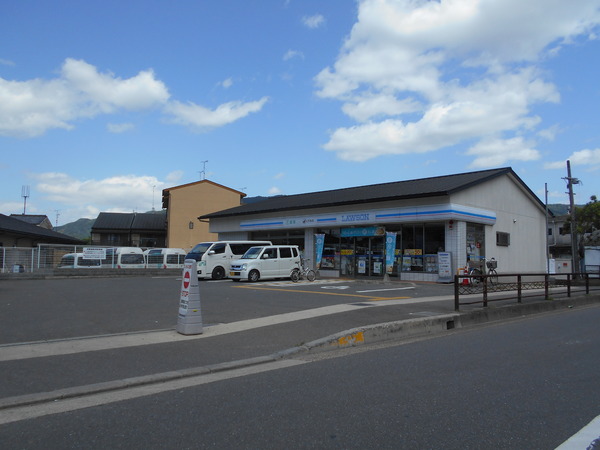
483,289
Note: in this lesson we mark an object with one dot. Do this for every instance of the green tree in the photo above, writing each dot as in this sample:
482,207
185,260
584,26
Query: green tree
588,221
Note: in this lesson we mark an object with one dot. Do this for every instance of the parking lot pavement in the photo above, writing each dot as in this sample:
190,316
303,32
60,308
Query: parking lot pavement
56,334
41,310
67,337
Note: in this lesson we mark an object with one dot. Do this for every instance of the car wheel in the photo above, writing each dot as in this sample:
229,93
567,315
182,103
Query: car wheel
253,276
218,273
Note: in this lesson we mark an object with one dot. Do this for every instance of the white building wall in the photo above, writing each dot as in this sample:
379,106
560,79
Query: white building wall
517,214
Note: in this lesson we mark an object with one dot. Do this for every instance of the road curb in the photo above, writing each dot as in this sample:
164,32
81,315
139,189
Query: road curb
435,325
127,383
402,329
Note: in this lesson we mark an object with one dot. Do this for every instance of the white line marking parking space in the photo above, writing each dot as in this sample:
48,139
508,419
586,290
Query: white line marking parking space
388,289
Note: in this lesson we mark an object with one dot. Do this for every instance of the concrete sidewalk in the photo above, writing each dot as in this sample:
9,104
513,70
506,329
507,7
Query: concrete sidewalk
44,372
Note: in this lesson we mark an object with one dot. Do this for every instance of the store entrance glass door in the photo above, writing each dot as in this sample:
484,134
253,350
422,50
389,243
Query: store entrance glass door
369,252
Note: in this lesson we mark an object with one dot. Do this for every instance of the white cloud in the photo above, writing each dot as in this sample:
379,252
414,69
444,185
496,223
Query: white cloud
587,157
226,84
122,192
274,191
290,54
498,152
108,93
119,127
175,176
415,78
367,106
279,176
30,108
201,118
314,21
7,62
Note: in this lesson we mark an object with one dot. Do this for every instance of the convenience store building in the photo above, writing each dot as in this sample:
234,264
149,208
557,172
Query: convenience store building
420,230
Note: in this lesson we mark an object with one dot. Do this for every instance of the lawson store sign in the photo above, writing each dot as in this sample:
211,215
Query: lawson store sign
430,213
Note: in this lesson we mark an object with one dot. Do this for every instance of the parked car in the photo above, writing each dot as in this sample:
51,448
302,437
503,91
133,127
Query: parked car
262,263
214,258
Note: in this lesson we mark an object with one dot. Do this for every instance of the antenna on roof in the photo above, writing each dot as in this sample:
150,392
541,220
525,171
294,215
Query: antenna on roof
203,172
57,211
24,194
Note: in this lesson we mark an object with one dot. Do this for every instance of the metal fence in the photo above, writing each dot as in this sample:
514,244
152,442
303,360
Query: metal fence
483,289
41,258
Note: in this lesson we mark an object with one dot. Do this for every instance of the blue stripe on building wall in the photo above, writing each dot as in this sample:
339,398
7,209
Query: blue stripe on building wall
432,213
261,224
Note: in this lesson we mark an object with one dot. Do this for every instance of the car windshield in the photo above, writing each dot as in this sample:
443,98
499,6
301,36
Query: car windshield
201,248
252,253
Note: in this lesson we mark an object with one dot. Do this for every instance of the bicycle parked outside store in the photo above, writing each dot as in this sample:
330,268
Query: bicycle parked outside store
476,275
303,272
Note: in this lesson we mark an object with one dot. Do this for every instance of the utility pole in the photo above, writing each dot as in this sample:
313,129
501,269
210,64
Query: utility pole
25,194
574,241
203,173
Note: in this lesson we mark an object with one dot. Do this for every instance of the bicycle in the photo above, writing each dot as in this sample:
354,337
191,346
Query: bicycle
303,271
475,276
492,264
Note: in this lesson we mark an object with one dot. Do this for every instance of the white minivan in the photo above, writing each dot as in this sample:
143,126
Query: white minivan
261,263
77,261
214,258
164,258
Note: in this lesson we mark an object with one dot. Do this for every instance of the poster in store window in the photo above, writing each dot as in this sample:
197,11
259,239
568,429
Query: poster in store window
362,266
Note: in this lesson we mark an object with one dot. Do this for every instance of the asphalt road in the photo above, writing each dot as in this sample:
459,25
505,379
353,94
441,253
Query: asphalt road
39,310
528,383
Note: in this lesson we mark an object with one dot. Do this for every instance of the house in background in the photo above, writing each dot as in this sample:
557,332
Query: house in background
130,229
185,203
38,220
18,233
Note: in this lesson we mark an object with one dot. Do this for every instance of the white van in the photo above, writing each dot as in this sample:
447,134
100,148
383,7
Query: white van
214,258
261,263
76,261
129,258
164,258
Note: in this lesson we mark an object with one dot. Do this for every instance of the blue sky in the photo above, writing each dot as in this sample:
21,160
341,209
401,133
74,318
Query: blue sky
104,104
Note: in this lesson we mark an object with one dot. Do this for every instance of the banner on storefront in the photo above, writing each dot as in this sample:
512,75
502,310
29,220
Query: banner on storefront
319,244
390,251
362,232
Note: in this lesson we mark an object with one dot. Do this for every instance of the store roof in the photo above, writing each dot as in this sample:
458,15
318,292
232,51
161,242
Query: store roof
399,190
12,226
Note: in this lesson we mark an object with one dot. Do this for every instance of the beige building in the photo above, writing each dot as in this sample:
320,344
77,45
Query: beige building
185,203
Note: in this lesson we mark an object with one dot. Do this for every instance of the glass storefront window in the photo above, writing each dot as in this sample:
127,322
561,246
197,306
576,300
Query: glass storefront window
420,246
331,249
476,245
417,246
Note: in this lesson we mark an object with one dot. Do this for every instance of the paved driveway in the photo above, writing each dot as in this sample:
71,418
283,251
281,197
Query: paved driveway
74,307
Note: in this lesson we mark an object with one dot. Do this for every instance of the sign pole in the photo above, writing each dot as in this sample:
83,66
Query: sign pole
190,317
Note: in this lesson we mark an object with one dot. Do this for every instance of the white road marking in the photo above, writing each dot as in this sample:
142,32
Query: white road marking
87,401
584,438
390,289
